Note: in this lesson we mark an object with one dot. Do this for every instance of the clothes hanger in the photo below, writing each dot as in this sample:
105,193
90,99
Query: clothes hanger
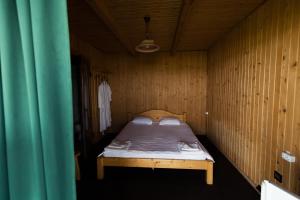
104,76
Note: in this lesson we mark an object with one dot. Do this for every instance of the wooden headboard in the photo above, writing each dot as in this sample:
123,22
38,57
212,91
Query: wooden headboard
158,114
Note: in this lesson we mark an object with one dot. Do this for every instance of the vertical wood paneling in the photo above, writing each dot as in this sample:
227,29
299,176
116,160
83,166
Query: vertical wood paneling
159,81
156,81
253,93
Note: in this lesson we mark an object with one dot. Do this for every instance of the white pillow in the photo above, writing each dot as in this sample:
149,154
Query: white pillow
142,120
169,121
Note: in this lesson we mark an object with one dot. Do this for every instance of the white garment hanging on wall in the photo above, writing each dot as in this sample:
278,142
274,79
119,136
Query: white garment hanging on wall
104,99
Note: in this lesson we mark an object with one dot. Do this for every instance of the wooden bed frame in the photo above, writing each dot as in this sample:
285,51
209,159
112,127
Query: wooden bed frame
156,115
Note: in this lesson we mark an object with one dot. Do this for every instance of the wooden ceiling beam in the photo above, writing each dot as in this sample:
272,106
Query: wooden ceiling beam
184,10
103,13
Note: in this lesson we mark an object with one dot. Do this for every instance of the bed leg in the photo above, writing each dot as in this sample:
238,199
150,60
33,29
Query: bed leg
209,173
100,168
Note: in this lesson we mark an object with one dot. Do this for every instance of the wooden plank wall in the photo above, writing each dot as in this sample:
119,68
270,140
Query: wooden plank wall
254,93
159,81
156,81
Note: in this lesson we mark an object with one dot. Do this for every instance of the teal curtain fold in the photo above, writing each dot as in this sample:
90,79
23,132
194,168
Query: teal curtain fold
36,138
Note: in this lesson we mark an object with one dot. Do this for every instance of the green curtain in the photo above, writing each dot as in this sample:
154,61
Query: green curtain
36,138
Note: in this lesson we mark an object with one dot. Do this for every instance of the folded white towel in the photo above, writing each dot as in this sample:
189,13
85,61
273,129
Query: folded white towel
182,146
119,144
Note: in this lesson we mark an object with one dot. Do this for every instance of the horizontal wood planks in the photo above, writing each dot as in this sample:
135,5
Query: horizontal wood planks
254,93
209,20
201,24
84,22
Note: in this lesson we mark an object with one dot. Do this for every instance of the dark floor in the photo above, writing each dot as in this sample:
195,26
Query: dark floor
137,183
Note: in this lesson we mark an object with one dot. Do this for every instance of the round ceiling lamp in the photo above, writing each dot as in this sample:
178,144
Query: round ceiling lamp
147,45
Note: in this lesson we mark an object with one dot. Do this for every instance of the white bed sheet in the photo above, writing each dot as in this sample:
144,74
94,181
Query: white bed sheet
156,141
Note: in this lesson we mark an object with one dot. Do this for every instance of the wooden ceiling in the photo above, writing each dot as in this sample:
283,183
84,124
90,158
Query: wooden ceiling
176,25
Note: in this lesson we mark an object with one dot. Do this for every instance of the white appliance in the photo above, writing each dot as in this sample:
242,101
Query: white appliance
270,191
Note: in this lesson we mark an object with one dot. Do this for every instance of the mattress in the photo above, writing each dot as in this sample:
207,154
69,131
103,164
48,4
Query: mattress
158,142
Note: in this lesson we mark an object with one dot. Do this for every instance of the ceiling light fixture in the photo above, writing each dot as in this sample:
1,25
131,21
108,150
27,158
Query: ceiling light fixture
147,45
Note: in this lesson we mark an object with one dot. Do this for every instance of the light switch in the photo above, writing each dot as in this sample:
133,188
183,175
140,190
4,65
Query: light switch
286,155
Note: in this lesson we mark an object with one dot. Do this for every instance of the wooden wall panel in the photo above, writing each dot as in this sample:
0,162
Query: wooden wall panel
207,21
254,93
84,22
156,81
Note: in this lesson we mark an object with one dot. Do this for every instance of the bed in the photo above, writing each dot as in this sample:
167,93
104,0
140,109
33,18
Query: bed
155,146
